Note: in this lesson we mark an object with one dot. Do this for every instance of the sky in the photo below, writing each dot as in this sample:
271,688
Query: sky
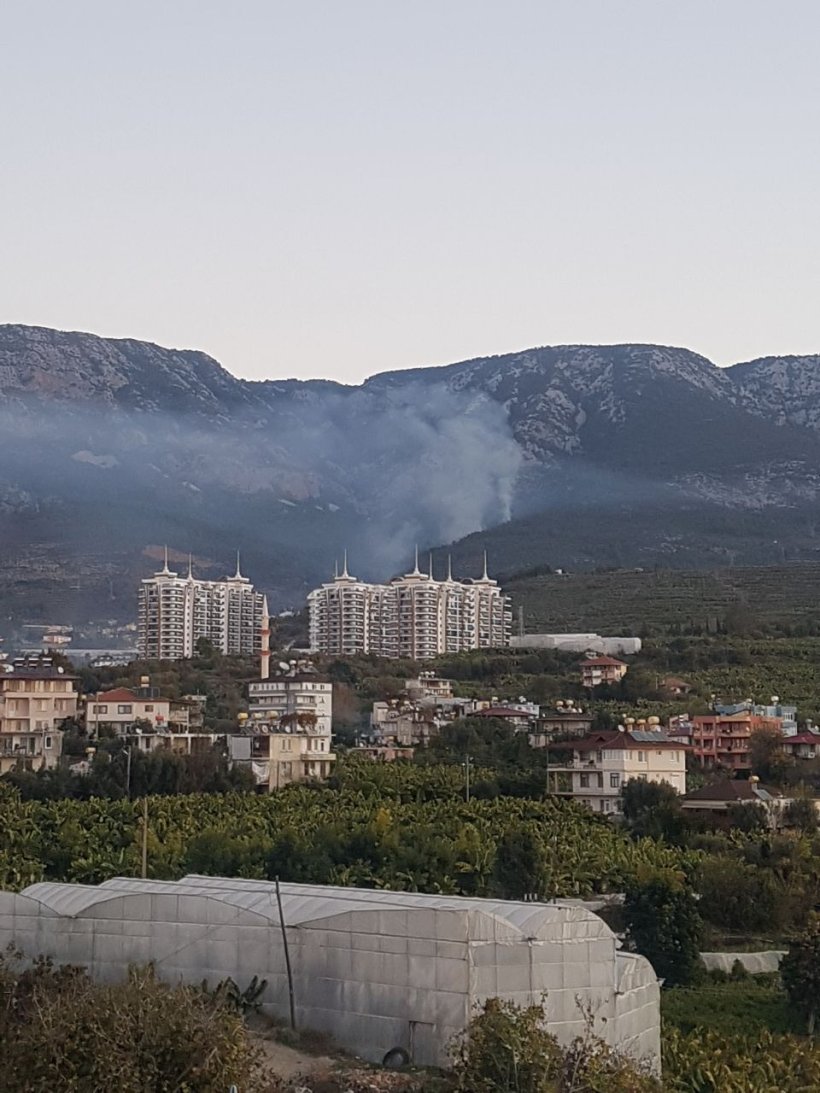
333,188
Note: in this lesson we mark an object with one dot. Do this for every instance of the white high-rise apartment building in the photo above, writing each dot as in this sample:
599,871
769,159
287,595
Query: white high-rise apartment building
413,616
175,612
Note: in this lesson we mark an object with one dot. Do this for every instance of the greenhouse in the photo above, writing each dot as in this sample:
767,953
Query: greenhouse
377,970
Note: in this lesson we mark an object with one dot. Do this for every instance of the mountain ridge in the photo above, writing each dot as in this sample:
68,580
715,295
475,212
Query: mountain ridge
110,446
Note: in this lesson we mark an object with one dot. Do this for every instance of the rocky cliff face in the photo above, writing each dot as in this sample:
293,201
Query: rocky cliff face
110,447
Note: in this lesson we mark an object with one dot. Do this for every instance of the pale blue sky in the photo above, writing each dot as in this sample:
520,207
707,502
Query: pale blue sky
338,187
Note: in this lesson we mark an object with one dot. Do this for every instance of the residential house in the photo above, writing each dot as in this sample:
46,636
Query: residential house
35,700
286,735
802,745
602,671
563,721
603,762
723,739
118,711
520,716
719,797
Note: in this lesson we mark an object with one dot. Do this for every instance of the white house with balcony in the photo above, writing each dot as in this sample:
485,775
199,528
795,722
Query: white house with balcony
35,700
286,735
602,762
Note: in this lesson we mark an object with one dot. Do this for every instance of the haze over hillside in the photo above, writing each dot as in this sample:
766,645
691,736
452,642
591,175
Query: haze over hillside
573,455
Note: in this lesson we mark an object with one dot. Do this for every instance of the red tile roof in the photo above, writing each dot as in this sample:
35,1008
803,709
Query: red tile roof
614,741
602,662
802,738
502,711
119,694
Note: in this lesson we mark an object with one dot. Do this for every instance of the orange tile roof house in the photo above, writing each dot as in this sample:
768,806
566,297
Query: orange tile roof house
602,670
602,762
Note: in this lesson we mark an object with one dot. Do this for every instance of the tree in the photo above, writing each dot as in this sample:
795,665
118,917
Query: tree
738,896
802,814
520,866
664,925
651,809
766,756
800,973
748,816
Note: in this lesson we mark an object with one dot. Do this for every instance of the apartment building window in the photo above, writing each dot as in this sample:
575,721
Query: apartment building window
614,781
48,743
584,781
641,757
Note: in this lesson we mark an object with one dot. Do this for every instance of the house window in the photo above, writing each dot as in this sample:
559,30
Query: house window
614,781
599,755
584,781
149,709
125,709
641,757
48,743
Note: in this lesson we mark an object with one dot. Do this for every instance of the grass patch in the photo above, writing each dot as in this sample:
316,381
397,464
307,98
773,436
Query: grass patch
739,1007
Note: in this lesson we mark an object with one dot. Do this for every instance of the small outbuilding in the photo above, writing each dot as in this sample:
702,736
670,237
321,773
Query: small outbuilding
377,970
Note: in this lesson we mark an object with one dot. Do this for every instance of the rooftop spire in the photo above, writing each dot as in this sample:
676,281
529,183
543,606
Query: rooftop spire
237,576
484,575
449,567
190,567
431,566
335,569
345,574
416,570
166,572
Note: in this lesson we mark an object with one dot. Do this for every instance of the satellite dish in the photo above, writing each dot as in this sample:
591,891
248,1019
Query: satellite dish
283,664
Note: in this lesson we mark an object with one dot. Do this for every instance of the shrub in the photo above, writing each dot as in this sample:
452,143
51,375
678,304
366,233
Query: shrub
61,1031
507,1049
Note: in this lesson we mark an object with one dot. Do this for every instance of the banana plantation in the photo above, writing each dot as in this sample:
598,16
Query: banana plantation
404,828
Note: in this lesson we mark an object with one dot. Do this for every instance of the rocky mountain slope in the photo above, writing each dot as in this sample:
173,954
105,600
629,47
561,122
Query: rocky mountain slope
633,454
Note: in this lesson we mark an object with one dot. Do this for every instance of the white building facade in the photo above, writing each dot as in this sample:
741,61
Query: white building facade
602,763
176,611
413,616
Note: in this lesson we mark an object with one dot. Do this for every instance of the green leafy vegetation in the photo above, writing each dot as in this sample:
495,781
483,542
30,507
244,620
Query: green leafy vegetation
507,1049
398,826
59,1031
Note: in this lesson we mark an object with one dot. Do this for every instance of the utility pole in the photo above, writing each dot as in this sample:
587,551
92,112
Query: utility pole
468,760
144,837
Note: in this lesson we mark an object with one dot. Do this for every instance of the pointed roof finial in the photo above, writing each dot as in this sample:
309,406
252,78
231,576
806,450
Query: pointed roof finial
238,575
431,566
165,571
190,567
416,571
449,567
484,575
335,569
345,574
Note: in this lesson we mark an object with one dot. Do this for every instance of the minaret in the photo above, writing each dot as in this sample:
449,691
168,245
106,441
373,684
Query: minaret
264,667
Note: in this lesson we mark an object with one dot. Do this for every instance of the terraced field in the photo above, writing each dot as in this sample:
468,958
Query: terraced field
629,601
